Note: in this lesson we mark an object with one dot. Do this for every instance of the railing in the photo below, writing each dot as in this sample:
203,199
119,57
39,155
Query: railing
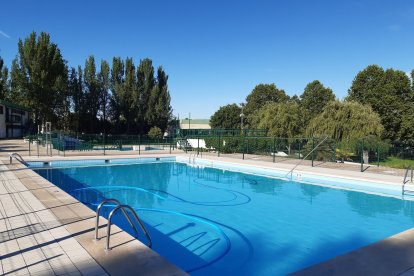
405,181
291,171
98,210
122,208
18,157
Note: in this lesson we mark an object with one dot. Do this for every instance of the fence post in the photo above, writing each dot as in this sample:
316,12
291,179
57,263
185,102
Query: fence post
244,145
198,146
37,143
64,148
378,156
219,146
334,152
30,152
313,147
170,140
300,148
139,144
362,155
274,149
104,138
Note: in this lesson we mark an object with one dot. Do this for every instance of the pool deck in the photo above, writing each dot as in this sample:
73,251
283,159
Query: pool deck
45,231
41,217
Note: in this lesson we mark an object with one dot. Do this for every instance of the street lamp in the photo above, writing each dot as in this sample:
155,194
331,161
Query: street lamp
241,116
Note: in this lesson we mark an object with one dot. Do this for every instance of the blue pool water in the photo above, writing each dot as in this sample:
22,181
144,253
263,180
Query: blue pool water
216,222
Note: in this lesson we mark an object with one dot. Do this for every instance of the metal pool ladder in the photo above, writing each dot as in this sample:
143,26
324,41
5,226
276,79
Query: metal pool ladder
405,181
123,208
18,157
291,171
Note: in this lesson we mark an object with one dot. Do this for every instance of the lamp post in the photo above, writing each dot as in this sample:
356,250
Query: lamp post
241,116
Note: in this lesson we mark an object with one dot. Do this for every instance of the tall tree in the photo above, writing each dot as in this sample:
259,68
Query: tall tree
92,92
314,98
105,96
159,107
117,88
345,121
280,119
145,84
78,106
263,94
387,92
4,81
130,89
39,77
226,117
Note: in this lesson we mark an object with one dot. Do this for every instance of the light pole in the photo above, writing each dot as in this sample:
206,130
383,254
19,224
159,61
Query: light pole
241,116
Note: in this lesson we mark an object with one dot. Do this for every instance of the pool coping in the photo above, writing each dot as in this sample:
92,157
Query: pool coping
386,257
126,251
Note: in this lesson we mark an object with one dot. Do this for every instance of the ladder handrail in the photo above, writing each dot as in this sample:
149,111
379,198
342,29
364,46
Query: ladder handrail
98,209
409,168
18,157
123,207
291,171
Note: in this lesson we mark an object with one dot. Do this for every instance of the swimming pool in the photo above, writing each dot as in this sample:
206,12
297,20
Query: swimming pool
217,221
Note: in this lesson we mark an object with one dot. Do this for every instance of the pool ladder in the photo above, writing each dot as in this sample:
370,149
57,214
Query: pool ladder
409,169
18,157
124,209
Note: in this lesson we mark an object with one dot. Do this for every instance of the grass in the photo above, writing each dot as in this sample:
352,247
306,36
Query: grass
395,162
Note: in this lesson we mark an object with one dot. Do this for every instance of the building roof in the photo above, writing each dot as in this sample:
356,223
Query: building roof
196,121
15,106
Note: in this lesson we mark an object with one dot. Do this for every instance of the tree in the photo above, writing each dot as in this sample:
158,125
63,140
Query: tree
263,94
92,92
159,108
4,81
387,92
117,88
75,86
105,96
39,77
129,90
226,117
145,84
155,132
279,119
314,98
345,121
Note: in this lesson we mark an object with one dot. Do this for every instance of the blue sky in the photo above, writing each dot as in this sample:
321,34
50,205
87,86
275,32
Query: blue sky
215,52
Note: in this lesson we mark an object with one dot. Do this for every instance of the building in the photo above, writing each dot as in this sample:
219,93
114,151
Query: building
14,120
195,124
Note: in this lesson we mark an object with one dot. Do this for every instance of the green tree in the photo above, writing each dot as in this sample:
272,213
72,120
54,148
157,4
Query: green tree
75,86
159,107
345,121
263,94
39,77
155,132
314,98
92,92
117,88
105,96
4,81
226,117
145,84
387,92
279,119
129,90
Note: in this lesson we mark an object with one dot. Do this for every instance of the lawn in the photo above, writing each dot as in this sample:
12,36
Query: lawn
395,162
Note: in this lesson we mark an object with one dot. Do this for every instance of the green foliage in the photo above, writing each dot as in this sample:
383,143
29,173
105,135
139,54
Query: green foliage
314,99
398,163
388,92
4,81
155,132
39,78
280,119
345,121
227,117
263,94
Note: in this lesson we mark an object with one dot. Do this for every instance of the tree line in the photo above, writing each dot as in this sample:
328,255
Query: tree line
380,102
120,97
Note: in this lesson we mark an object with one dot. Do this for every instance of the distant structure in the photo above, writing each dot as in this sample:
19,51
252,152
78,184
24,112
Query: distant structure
195,124
14,120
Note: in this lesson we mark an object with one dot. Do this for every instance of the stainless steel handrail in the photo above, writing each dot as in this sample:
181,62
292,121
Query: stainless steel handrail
18,157
409,169
123,207
98,209
291,171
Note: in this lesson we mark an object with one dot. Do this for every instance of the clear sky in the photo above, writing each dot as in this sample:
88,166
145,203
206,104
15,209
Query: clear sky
214,51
